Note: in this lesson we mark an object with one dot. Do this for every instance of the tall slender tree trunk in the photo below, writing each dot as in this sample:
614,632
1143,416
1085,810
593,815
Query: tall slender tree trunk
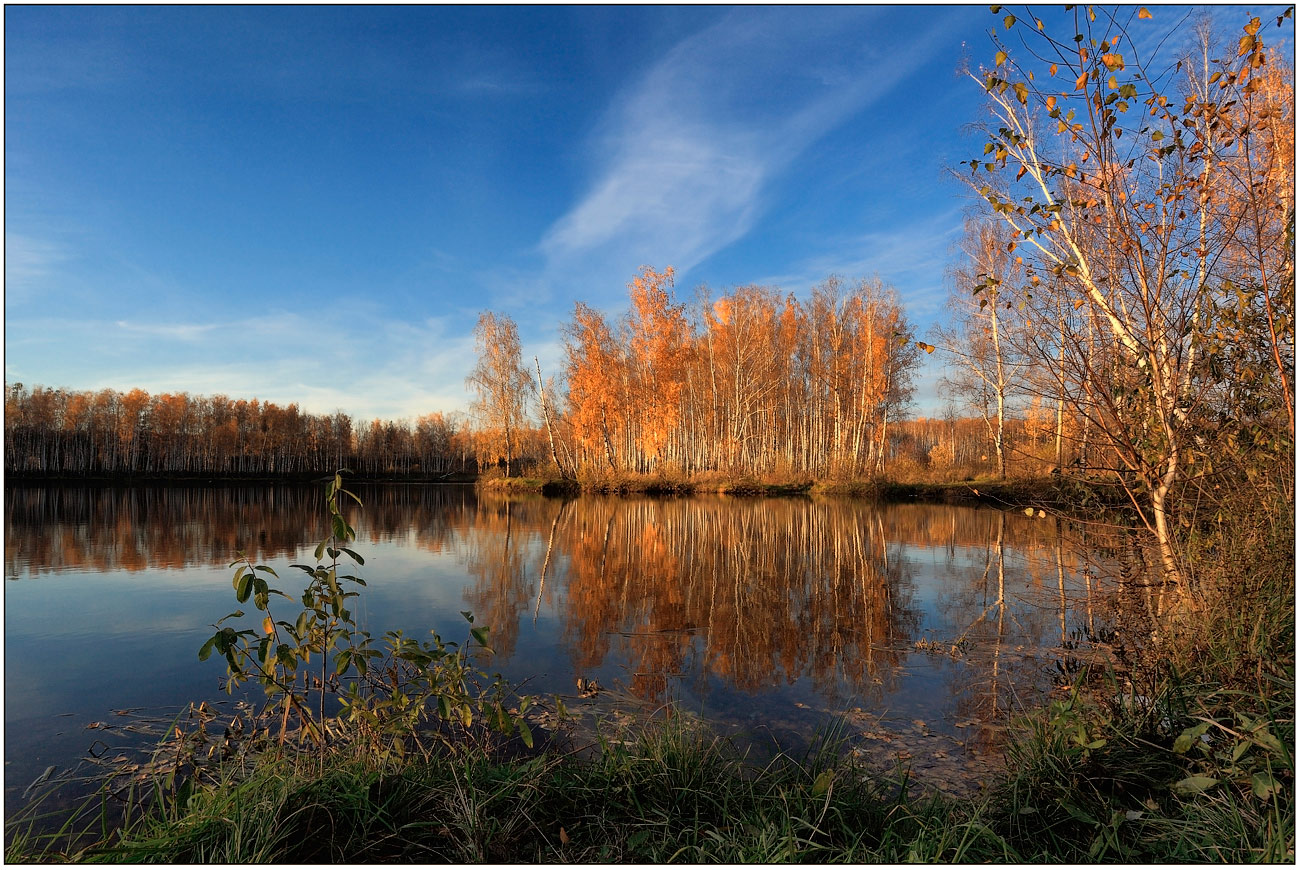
546,413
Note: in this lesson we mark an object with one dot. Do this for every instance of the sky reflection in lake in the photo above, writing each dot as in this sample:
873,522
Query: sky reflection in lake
757,613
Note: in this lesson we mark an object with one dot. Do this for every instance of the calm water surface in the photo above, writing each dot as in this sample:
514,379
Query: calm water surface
764,615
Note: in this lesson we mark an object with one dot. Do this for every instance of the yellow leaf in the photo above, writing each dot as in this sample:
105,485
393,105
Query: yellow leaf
1081,81
1143,13
1029,512
1078,303
268,627
1051,70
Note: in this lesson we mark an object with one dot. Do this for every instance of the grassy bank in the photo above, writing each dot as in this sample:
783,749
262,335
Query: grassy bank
1050,492
674,793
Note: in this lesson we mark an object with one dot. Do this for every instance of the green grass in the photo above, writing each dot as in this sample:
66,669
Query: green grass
676,793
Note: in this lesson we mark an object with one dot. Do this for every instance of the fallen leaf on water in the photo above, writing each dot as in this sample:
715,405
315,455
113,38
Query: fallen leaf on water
95,725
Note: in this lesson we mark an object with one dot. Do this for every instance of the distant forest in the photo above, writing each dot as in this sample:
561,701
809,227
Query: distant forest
108,433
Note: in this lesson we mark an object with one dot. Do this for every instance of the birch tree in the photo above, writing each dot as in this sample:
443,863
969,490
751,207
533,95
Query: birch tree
1111,167
985,369
501,383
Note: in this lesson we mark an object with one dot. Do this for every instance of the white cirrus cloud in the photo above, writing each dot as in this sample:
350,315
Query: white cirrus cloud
685,153
28,260
175,331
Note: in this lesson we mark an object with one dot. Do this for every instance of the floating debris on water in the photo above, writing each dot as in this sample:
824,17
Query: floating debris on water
44,777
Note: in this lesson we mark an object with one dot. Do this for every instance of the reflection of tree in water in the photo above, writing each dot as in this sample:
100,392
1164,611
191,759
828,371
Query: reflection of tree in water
110,528
1006,593
436,513
134,528
499,559
755,593
763,592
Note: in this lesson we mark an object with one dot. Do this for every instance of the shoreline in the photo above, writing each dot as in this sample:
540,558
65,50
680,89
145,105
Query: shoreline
1065,494
1036,492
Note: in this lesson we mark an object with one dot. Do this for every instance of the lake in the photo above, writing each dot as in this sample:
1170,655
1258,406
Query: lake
920,626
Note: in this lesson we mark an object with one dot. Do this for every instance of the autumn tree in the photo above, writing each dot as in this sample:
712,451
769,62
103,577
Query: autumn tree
657,343
595,373
984,368
1120,176
68,432
746,368
501,383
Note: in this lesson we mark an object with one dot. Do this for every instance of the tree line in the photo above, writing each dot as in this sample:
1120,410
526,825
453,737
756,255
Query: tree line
755,381
107,432
88,434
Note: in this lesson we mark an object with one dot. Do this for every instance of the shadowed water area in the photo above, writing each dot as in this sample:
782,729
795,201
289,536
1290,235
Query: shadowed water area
919,627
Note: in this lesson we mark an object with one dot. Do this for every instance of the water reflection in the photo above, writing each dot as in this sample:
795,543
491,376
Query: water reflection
112,528
747,607
756,593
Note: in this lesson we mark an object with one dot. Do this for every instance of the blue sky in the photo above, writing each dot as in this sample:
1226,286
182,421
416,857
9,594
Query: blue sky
313,204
